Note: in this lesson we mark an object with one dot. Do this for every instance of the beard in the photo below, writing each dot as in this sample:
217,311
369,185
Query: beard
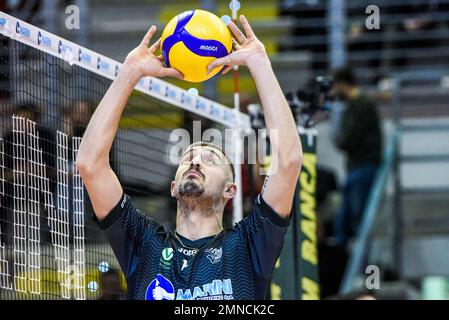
190,189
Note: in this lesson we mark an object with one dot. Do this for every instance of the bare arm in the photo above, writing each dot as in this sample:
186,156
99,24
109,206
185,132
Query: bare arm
93,156
280,187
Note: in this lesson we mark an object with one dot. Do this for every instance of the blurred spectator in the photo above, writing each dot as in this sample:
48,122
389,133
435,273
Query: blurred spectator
81,112
362,42
74,121
420,28
359,137
46,142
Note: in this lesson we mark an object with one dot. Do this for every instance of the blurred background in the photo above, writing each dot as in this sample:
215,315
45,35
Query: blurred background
400,68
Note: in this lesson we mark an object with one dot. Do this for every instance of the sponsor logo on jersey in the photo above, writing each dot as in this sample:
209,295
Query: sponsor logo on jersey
122,205
167,254
188,252
214,254
216,290
185,264
166,258
160,289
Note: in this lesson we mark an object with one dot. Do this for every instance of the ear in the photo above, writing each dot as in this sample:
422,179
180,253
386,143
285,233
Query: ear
173,189
230,190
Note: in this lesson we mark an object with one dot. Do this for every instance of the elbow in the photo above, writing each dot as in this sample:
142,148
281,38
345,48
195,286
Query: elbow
295,162
292,163
85,167
82,167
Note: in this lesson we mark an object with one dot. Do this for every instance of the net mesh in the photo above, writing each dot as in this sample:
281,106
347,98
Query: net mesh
50,244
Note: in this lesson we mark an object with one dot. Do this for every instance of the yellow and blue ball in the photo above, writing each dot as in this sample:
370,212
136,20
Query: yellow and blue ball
192,40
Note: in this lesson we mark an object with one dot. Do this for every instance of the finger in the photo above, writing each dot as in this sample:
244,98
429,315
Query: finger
171,72
160,58
245,24
235,45
218,63
146,40
155,46
227,69
239,36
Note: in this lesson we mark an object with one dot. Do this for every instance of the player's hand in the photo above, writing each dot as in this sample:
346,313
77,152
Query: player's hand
158,293
248,50
146,63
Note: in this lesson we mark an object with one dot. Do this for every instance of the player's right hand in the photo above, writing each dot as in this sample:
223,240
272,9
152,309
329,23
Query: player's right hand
144,61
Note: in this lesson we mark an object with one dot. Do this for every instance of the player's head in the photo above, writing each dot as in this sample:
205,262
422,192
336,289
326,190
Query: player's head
344,82
28,111
205,172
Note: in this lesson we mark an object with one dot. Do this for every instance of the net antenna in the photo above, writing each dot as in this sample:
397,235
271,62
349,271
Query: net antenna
237,214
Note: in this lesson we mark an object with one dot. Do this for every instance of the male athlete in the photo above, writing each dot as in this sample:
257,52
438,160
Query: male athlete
198,260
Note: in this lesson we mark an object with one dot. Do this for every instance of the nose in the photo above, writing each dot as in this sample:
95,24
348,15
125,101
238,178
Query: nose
196,161
194,166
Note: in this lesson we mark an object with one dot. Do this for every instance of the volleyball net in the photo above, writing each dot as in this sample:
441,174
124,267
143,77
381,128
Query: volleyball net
50,245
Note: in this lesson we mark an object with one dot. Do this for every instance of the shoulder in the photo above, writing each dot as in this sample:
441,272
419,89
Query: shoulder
261,217
366,101
128,216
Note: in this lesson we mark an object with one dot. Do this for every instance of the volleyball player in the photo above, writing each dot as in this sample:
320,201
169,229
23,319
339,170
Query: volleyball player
198,260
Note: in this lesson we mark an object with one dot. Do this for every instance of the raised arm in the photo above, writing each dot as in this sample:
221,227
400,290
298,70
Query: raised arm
249,51
93,156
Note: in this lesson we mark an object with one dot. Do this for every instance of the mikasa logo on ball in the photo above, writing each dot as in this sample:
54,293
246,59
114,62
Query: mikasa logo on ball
208,48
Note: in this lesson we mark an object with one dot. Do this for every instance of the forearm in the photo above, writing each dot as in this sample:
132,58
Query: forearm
278,115
99,135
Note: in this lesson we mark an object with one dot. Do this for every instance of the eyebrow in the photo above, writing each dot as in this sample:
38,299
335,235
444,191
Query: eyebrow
216,154
209,149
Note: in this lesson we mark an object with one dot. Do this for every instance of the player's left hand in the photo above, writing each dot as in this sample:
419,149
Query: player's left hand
248,50
144,60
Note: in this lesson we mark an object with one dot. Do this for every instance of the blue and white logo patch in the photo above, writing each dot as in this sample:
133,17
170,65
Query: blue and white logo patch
160,289
214,254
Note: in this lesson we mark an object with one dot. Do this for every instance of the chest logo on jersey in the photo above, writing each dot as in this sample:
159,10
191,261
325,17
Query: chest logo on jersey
165,261
214,254
160,289
185,264
216,290
187,252
167,254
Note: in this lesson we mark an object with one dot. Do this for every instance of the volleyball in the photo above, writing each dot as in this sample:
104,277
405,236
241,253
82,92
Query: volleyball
192,40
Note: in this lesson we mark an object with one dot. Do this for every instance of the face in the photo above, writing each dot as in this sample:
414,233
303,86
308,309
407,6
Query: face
203,171
81,114
340,89
27,115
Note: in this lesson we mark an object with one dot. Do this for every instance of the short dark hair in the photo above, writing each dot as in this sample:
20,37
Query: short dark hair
344,74
215,147
28,107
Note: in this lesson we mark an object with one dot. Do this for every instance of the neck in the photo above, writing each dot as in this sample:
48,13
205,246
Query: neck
196,220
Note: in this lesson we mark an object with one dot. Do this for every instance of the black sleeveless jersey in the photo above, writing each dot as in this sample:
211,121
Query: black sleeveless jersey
160,265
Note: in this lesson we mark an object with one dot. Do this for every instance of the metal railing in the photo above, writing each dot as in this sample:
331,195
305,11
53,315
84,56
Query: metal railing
370,214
